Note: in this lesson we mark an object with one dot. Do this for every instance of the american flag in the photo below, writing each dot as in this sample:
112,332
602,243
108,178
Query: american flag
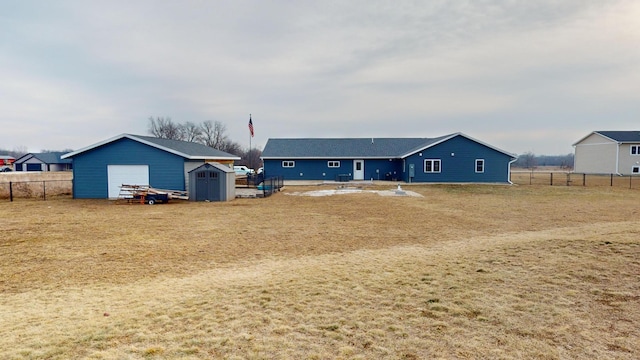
250,126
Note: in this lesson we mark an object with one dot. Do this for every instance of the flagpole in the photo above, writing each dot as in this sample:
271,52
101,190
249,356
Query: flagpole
250,136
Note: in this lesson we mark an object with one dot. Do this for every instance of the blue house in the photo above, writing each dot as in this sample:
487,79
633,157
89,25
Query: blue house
100,169
455,158
48,161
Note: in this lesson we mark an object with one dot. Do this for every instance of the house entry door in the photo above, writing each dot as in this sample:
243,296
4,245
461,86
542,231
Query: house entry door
358,169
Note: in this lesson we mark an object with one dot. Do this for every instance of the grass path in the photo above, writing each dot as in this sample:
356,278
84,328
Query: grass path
570,292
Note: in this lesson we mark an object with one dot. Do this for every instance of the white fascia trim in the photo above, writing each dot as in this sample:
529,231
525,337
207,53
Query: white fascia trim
591,133
199,157
98,144
428,146
596,144
463,135
142,141
20,159
122,136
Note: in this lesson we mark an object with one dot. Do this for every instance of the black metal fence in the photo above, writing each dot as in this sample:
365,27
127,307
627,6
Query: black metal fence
560,178
271,185
42,190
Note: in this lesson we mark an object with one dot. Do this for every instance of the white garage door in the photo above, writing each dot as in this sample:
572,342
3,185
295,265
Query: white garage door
126,174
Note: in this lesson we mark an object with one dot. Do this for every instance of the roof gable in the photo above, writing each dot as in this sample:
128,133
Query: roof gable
442,139
220,167
188,150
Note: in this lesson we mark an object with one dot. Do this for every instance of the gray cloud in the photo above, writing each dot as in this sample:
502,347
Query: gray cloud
524,76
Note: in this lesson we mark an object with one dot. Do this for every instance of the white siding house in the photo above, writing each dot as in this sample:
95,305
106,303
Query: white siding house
608,152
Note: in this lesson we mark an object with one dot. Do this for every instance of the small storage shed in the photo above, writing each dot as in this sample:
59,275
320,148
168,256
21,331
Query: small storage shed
212,182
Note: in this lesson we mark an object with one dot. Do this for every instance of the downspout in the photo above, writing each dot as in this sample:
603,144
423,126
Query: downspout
618,158
509,171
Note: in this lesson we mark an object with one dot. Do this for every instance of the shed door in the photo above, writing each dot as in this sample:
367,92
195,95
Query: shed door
125,174
207,186
358,169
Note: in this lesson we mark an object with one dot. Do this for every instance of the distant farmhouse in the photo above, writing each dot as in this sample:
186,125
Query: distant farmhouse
454,158
49,161
608,152
100,169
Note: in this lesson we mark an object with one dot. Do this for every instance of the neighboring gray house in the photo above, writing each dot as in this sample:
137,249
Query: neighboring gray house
608,152
48,161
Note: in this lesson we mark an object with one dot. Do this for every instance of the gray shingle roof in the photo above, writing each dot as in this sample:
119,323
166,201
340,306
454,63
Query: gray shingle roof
345,147
185,149
51,158
622,136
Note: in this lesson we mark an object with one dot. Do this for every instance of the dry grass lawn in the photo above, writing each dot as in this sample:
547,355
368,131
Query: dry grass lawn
465,272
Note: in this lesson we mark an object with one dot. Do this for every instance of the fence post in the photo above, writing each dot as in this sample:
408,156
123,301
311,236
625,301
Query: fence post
584,179
630,177
10,191
551,182
44,190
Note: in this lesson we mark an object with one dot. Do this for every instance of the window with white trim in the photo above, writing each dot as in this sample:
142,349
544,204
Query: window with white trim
635,170
288,164
432,165
479,165
635,149
333,164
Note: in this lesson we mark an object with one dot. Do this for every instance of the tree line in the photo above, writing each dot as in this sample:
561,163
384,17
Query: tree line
209,133
530,160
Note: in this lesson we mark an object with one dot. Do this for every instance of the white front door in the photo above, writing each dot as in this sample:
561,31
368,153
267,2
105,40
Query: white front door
358,169
125,174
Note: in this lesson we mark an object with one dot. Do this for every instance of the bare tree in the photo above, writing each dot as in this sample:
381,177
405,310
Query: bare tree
165,128
252,158
528,160
567,161
19,151
214,134
231,148
191,132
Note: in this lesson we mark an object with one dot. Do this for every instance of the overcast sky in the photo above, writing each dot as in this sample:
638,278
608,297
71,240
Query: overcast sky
521,75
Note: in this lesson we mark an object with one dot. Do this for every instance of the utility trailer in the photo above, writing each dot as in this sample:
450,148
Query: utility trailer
152,198
144,194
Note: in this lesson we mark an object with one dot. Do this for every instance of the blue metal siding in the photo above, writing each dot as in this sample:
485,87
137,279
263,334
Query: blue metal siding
166,170
319,169
458,163
382,169
307,169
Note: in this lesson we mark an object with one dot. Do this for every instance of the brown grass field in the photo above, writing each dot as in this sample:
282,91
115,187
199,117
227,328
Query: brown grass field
465,272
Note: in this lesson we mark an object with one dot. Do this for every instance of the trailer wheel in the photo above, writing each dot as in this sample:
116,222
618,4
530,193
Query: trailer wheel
151,201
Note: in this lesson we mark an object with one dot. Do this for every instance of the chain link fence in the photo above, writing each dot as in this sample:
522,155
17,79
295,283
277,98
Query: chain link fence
42,190
564,178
